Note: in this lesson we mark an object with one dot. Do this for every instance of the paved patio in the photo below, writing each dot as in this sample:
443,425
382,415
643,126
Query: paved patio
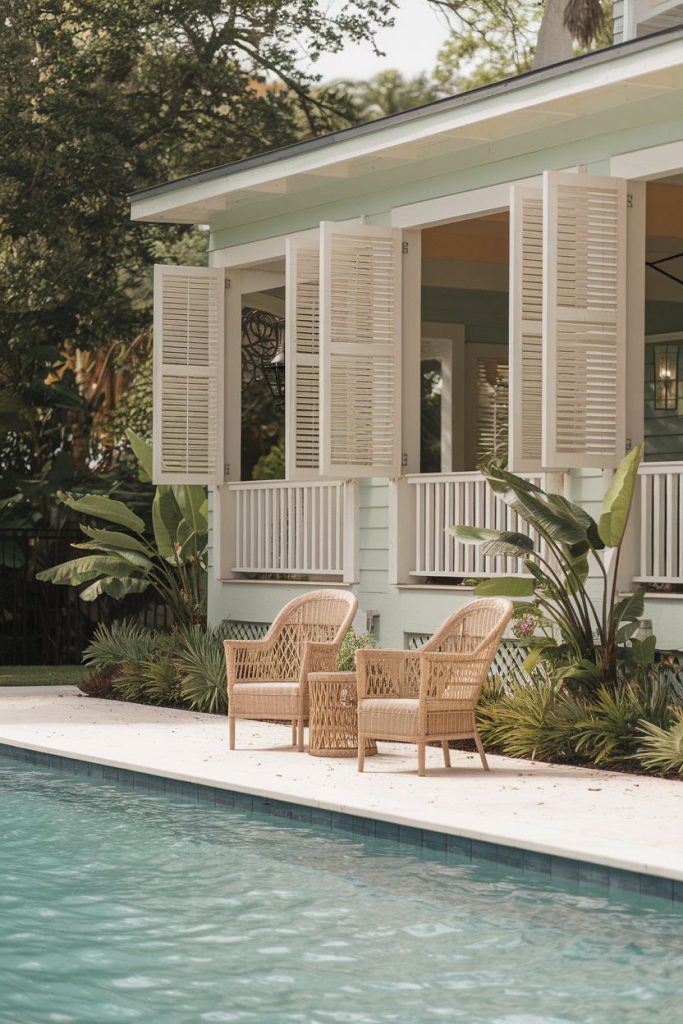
623,821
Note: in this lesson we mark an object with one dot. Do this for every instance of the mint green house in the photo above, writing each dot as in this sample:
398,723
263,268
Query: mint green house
515,252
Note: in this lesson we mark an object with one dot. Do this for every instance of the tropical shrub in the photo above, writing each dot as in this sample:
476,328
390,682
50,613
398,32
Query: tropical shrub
352,642
183,668
608,734
126,560
661,748
583,635
200,661
535,719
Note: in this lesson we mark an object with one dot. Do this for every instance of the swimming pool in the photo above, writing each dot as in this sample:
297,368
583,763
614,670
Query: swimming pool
117,905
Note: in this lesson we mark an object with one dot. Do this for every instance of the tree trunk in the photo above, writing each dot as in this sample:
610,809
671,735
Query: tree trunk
555,42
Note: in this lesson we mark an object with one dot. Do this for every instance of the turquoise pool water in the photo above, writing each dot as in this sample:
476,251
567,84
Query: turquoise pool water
117,905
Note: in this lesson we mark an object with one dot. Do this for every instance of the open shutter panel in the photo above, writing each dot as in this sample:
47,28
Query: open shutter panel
302,353
526,329
584,321
189,316
360,348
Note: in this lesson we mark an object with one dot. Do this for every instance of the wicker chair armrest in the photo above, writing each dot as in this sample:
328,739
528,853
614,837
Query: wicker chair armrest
382,673
453,678
248,660
319,656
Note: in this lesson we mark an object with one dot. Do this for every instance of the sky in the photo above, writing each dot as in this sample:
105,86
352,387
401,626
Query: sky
410,46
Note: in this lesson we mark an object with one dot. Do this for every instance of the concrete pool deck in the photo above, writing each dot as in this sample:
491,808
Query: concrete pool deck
629,822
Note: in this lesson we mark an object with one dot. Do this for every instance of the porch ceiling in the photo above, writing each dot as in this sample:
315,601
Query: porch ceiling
590,85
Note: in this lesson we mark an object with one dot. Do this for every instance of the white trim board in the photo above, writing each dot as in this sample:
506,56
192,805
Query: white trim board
650,163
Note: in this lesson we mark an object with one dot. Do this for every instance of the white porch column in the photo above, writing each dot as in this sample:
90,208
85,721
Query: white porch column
223,505
635,364
412,341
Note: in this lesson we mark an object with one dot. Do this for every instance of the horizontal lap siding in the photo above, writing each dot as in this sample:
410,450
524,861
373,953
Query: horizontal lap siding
373,540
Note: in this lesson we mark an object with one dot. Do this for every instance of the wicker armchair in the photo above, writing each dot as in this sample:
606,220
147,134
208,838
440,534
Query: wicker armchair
268,678
431,694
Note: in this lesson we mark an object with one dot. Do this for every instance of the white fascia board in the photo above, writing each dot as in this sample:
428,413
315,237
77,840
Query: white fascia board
652,162
544,91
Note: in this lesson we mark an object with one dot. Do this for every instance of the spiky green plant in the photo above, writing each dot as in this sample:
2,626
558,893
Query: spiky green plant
120,643
533,719
609,732
661,749
200,661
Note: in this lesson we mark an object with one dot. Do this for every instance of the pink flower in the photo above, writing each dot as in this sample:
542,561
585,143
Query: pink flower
524,627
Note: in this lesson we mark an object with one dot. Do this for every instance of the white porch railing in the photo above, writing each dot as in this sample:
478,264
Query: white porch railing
661,526
446,499
304,528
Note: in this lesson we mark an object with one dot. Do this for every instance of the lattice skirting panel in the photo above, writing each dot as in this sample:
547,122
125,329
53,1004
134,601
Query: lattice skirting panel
508,664
234,629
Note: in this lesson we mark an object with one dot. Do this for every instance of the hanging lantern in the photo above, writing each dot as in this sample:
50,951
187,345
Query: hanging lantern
274,376
666,377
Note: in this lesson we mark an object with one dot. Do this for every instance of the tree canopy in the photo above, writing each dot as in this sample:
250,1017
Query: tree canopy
99,98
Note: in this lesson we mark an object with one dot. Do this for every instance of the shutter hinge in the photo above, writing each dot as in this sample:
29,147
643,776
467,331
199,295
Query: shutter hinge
404,460
226,471
404,248
227,284
629,200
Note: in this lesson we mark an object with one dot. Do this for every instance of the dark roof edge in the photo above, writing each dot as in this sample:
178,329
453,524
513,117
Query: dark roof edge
448,103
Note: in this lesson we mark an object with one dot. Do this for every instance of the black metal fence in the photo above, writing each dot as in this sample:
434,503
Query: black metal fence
44,624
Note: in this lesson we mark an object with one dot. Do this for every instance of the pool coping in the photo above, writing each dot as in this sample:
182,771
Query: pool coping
587,876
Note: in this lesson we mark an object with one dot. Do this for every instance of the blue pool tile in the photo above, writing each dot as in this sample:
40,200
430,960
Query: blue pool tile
109,773
535,861
678,891
321,816
434,841
206,794
224,797
409,836
481,850
459,846
625,881
364,826
342,822
243,801
511,856
650,885
565,868
386,830
593,874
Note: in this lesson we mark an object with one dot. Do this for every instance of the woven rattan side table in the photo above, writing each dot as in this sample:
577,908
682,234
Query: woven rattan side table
333,719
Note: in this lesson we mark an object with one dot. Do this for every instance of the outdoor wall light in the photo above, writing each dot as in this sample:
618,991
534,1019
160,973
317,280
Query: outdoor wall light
274,376
666,377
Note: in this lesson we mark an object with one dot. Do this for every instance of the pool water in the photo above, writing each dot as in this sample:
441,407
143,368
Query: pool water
122,905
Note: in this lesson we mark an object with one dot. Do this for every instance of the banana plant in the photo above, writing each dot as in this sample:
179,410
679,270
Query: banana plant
126,560
592,624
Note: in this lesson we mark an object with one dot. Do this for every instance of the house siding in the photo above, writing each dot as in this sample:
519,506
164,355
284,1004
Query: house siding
590,142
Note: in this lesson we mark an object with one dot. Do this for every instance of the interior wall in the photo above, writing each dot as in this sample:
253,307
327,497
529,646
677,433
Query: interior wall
663,430
465,276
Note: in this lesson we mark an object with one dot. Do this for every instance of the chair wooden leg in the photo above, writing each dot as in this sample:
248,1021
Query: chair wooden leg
480,748
421,753
231,732
361,753
446,753
301,735
294,731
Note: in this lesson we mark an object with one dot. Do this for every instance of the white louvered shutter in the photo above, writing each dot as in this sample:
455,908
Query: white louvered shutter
302,354
526,329
584,321
189,325
360,349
